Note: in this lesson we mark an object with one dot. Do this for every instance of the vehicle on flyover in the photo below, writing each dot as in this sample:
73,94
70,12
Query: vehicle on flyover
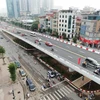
49,44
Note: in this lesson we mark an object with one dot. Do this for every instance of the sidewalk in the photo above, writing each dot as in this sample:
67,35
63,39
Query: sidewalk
81,82
6,84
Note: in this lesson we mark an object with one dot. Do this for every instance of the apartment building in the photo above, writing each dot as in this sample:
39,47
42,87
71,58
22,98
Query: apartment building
90,30
67,23
55,22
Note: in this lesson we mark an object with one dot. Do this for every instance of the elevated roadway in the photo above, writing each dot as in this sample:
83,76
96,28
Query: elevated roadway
64,53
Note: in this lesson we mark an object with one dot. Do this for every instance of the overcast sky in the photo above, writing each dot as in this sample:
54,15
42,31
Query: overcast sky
65,4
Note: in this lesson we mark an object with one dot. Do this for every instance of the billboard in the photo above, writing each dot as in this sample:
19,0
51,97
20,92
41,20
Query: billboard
83,29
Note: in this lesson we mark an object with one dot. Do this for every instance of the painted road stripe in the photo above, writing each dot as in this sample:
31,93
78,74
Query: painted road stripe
58,94
48,97
68,89
52,97
70,57
55,96
65,90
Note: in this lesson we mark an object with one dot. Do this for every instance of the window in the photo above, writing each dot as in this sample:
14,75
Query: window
62,20
59,24
62,29
66,16
72,31
65,30
73,26
65,21
65,25
62,25
84,22
62,16
73,21
59,20
68,30
74,17
59,29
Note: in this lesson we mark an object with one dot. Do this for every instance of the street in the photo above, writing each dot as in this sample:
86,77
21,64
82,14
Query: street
39,73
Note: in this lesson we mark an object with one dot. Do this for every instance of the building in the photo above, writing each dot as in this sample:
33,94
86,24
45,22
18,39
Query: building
13,9
67,23
24,7
34,6
90,30
55,22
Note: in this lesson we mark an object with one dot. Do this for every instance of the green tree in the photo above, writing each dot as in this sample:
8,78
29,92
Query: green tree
64,35
75,39
44,30
12,70
2,52
35,25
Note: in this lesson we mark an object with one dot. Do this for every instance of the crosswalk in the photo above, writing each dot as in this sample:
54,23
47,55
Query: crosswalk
58,94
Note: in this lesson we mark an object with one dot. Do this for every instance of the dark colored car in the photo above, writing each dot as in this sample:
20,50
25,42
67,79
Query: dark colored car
90,62
17,64
29,83
18,32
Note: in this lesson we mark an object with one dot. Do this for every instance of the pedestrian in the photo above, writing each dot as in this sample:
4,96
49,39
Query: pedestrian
82,78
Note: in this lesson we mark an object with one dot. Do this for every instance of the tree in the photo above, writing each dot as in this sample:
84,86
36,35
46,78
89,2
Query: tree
64,35
35,25
12,69
2,52
44,30
74,39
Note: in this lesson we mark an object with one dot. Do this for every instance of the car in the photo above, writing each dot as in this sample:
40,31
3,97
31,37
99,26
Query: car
90,62
97,71
18,32
22,73
24,34
33,34
29,83
37,40
17,64
51,74
49,44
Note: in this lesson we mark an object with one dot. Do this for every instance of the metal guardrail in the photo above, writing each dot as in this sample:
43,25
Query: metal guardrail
62,60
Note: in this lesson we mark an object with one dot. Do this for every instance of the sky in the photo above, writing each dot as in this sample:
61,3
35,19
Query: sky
64,4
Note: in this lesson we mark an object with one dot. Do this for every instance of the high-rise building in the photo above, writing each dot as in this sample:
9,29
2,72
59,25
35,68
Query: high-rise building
24,6
47,5
13,10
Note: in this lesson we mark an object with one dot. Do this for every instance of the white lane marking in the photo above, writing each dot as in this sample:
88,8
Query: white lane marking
43,98
82,51
65,90
68,89
70,57
48,97
55,96
58,94
71,88
52,97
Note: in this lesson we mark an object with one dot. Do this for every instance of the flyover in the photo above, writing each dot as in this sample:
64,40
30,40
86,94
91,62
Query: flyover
63,53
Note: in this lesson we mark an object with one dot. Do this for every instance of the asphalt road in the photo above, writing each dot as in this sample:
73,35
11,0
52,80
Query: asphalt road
38,72
62,50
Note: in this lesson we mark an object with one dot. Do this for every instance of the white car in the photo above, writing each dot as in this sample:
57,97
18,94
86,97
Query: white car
22,73
51,74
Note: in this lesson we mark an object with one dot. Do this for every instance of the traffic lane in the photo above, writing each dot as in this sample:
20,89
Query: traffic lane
60,52
82,52
79,51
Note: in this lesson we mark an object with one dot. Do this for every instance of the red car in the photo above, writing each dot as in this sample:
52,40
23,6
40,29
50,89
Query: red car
49,44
